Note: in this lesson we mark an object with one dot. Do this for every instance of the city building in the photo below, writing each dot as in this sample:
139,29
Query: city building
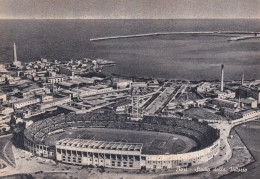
248,102
2,97
4,119
225,94
2,69
93,91
54,80
30,112
46,98
246,92
240,113
6,110
139,84
2,79
225,103
25,102
231,112
123,84
54,102
204,87
153,84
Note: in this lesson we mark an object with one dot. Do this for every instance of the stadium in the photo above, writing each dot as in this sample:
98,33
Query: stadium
114,141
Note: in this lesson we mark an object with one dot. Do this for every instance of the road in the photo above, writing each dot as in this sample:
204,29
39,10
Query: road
159,101
6,155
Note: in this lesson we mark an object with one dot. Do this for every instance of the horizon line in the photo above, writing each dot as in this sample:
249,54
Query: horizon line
253,18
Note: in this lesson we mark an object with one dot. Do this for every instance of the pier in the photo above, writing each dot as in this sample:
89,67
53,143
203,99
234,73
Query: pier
171,33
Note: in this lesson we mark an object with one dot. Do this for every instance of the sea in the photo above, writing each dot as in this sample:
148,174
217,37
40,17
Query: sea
189,56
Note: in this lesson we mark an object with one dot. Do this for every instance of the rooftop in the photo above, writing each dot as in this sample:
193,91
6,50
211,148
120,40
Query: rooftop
25,100
100,144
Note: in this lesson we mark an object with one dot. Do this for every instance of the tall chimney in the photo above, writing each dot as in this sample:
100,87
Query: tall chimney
242,80
15,56
222,78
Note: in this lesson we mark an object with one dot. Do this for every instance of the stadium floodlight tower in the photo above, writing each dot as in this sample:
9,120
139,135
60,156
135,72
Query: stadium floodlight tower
135,105
136,109
136,112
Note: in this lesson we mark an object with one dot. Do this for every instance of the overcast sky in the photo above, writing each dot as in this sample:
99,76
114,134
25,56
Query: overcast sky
129,9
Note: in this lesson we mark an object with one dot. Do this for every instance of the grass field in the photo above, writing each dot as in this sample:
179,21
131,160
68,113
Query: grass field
154,143
249,133
201,113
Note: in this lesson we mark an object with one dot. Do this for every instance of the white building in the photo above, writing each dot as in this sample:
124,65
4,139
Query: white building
2,68
204,87
46,98
54,80
249,102
139,84
226,94
2,97
6,111
2,79
91,92
55,102
240,113
4,119
25,102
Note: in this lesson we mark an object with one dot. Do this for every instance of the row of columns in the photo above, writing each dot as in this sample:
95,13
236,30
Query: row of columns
38,149
98,159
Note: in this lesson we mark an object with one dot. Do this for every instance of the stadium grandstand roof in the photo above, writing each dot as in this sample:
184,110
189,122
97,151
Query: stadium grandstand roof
100,144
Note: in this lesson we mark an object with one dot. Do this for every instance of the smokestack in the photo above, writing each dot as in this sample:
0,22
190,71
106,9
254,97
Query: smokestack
239,103
222,78
15,56
242,80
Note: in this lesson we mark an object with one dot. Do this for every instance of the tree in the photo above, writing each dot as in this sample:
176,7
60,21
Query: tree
12,122
4,130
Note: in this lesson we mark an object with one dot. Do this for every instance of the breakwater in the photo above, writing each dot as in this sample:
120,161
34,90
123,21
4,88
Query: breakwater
172,33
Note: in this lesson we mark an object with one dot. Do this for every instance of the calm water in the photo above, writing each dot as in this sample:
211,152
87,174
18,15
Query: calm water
177,56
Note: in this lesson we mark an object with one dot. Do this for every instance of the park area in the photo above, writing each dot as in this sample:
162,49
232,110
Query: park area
201,113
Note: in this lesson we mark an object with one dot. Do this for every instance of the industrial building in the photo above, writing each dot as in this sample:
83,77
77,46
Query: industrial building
246,92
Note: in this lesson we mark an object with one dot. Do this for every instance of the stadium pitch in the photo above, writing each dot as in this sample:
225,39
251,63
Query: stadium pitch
154,143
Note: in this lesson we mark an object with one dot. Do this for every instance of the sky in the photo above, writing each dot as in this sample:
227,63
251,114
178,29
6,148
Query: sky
129,9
